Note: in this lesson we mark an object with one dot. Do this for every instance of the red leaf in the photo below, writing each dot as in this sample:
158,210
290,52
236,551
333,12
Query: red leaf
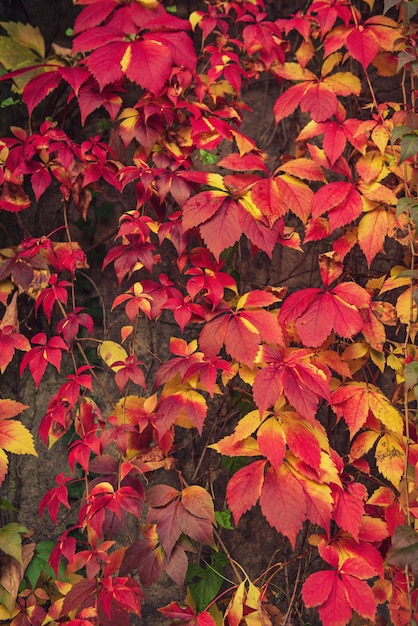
81,595
340,200
196,528
363,45
296,195
201,207
288,102
349,508
321,311
93,15
372,230
335,611
334,142
222,230
198,502
266,196
147,63
317,588
167,525
39,87
320,101
283,502
303,383
301,439
98,63
271,440
360,597
244,488
212,335
245,163
242,340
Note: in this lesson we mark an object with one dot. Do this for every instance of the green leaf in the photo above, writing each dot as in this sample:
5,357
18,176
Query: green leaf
399,131
408,274
6,505
11,541
411,374
409,146
39,563
7,600
389,4
210,580
404,550
233,463
223,518
406,204
410,9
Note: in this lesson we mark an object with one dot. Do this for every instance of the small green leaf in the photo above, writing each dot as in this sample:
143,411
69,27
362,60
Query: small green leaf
8,102
208,158
409,146
233,463
223,518
6,505
171,9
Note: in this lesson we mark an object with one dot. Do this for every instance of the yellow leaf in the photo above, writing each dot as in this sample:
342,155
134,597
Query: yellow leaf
149,4
305,52
217,181
356,351
344,84
125,331
378,359
249,205
235,608
195,18
385,411
27,35
253,596
16,438
381,136
330,62
112,352
126,59
390,458
371,167
293,71
4,462
15,56
406,307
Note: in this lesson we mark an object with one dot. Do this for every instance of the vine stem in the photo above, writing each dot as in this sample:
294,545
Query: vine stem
232,563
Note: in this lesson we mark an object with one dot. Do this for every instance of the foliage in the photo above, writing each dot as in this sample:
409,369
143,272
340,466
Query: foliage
303,378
